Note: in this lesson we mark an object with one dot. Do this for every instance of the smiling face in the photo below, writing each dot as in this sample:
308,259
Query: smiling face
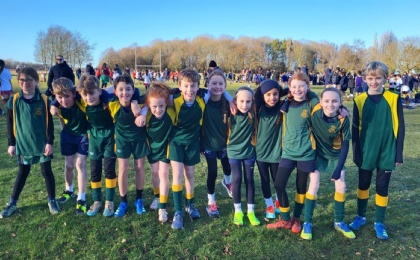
244,101
271,97
27,83
124,91
188,90
375,81
157,106
330,102
298,88
91,99
217,85
65,100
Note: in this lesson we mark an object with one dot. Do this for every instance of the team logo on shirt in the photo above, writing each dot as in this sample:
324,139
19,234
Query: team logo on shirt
304,113
38,111
332,129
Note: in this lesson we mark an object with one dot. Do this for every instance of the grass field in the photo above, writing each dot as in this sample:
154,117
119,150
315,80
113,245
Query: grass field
34,233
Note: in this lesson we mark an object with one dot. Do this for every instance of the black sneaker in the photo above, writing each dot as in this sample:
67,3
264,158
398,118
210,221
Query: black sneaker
53,206
81,207
8,211
66,196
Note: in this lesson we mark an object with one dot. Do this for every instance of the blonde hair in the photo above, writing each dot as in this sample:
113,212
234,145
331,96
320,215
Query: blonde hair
63,86
88,84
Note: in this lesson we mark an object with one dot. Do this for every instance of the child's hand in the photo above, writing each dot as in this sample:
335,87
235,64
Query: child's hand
233,107
336,175
140,121
136,109
54,111
342,112
398,163
48,150
11,150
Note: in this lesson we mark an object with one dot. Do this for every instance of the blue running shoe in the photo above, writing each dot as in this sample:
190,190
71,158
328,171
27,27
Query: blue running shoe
344,229
380,231
192,211
306,231
122,208
357,223
139,207
177,222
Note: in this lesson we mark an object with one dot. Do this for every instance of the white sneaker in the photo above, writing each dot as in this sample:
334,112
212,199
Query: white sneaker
155,204
163,215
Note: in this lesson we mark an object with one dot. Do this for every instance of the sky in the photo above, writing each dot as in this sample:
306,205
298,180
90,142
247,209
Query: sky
120,24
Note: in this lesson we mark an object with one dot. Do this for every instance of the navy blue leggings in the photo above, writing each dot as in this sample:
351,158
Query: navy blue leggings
280,183
267,170
248,166
212,170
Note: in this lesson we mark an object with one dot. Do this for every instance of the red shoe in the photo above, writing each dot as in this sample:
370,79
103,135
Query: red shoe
277,207
280,224
296,228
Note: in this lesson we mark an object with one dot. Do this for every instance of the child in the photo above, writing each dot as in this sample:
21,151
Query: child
147,79
104,79
5,84
184,148
358,83
130,140
241,152
268,148
30,137
101,144
214,137
332,137
298,151
73,141
159,121
378,138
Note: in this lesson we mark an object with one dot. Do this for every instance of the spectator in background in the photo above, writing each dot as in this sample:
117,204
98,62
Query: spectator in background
305,69
78,72
350,76
89,69
5,84
127,70
60,69
328,76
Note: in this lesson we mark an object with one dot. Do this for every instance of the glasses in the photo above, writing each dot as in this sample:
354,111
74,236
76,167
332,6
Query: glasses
28,81
59,59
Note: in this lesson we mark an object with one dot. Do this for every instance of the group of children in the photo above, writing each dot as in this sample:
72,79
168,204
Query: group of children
175,126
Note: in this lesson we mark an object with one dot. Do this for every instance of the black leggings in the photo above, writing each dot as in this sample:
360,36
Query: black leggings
96,169
382,181
23,173
267,170
248,166
280,183
212,172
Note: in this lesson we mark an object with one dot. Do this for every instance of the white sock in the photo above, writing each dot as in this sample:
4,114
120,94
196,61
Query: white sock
70,188
211,198
81,196
251,207
238,207
269,202
228,178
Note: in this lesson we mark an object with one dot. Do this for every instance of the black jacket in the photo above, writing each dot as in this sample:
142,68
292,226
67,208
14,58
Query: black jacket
57,71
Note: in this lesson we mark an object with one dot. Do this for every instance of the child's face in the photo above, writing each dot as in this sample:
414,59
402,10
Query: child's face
330,103
244,101
27,83
188,90
298,89
67,100
374,82
271,97
216,85
92,99
157,106
124,92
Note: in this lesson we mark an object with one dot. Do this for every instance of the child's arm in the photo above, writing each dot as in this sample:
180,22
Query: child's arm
345,144
50,136
357,155
140,121
11,150
401,134
135,100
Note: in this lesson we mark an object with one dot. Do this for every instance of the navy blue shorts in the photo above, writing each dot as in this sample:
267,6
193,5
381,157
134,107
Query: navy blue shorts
305,166
72,144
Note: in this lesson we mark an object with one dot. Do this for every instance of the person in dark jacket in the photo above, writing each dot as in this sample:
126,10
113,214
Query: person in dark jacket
89,69
328,76
60,69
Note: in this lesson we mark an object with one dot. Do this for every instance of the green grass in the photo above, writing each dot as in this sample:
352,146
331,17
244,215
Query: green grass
33,233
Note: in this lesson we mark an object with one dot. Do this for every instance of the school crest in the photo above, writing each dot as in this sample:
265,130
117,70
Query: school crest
332,129
304,113
38,111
